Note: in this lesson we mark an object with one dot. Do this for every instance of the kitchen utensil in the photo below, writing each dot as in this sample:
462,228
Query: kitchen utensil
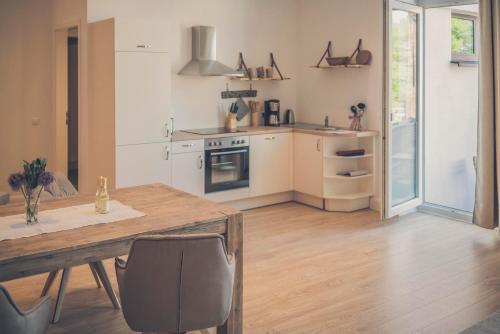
269,72
243,109
364,57
335,61
261,73
289,116
255,118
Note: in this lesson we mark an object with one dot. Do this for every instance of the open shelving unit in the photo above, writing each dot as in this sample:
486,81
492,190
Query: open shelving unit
247,77
346,193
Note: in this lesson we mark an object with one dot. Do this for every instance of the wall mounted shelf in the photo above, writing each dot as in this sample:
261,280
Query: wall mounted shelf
363,58
248,77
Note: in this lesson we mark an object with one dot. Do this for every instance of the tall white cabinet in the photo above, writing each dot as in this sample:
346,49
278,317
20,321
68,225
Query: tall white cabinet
129,102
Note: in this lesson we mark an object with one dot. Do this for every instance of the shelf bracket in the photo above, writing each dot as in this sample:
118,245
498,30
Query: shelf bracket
243,66
273,64
328,52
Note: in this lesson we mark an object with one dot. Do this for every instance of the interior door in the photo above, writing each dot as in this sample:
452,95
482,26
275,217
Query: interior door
403,130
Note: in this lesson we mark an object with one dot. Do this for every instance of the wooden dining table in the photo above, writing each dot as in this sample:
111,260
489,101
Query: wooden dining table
167,211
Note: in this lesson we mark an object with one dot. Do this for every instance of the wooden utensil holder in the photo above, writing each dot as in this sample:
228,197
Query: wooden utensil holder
231,121
255,119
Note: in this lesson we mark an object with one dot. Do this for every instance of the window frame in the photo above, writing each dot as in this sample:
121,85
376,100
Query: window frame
457,56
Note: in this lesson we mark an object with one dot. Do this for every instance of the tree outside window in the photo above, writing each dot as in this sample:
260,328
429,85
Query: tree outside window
463,37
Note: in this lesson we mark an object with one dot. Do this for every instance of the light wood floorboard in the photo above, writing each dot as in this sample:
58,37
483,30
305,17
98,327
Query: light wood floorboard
309,271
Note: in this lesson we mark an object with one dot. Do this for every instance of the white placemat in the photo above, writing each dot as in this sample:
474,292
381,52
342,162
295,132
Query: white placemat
13,227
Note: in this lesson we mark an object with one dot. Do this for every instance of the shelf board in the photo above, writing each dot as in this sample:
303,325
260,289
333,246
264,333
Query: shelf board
369,155
337,66
351,196
259,79
340,177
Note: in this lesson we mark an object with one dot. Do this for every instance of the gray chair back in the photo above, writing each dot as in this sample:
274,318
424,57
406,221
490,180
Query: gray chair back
13,320
176,283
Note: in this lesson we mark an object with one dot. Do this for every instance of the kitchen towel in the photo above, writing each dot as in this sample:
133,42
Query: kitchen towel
13,227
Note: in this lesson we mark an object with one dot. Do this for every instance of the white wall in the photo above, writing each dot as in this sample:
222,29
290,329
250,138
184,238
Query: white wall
25,84
331,92
451,107
253,27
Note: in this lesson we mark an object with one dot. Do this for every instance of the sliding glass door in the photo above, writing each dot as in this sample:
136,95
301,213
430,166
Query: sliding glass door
403,179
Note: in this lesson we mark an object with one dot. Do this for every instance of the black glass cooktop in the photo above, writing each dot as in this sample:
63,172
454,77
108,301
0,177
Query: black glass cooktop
212,131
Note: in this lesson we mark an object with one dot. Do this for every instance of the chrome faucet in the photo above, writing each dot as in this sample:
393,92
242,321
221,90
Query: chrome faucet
326,121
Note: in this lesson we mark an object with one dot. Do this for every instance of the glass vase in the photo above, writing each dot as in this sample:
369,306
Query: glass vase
31,211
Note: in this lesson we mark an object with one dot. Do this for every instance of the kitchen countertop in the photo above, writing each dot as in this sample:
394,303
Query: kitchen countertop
261,129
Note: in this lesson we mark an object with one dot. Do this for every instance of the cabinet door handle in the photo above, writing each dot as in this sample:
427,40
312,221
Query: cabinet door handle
171,125
200,159
144,46
318,142
166,153
270,138
165,130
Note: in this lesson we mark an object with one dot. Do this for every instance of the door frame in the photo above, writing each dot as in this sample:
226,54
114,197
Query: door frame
76,23
411,205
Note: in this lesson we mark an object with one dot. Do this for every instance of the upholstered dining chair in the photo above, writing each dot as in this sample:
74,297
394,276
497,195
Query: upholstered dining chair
13,320
176,283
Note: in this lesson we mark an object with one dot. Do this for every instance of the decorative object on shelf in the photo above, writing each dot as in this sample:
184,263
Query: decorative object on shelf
363,58
354,173
350,153
357,113
231,117
31,184
101,196
260,73
255,108
234,94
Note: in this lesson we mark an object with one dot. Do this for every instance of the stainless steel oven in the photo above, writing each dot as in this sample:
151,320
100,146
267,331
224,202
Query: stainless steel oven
226,163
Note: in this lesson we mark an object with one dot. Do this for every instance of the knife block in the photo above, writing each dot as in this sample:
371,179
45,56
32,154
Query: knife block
231,121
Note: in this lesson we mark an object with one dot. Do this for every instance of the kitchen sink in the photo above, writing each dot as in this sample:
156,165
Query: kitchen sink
326,129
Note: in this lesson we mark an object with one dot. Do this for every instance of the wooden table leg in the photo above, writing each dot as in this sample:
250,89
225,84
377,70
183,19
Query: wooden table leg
48,283
96,277
60,294
101,271
234,242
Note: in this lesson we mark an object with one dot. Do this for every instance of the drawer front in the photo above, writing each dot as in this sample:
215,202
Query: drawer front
187,146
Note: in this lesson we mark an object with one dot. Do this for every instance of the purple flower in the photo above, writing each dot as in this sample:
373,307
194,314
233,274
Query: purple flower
16,181
45,179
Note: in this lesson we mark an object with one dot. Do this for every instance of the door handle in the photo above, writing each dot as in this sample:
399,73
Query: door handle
200,160
165,130
318,142
166,153
144,46
270,138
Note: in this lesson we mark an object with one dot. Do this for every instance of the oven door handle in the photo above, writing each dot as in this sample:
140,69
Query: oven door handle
228,152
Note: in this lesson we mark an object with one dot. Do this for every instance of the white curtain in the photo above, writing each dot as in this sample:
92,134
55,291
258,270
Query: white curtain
486,208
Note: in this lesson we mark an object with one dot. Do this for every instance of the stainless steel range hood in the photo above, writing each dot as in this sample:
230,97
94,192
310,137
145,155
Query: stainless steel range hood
204,61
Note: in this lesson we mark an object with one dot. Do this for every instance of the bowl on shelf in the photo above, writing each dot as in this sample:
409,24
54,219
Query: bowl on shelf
335,61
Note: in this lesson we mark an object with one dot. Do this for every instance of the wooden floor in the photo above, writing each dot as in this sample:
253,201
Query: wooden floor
308,271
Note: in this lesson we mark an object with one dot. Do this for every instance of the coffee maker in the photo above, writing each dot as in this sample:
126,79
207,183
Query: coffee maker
272,112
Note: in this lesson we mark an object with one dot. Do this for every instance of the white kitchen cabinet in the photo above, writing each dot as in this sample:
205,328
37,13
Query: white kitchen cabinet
270,163
188,172
141,35
129,102
142,84
308,164
143,164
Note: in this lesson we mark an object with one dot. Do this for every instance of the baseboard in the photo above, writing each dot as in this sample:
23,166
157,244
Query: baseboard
260,201
310,200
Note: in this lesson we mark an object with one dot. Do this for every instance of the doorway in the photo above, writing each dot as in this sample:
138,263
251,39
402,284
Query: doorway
403,126
431,108
66,103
